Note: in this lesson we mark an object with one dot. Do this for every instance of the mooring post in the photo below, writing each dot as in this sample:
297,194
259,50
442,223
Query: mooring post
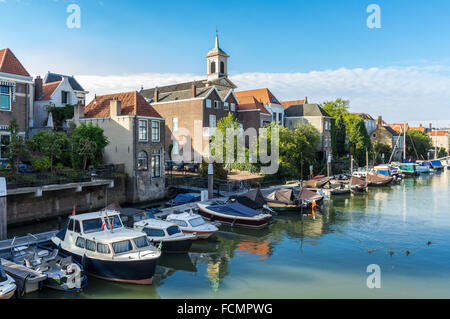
3,213
210,181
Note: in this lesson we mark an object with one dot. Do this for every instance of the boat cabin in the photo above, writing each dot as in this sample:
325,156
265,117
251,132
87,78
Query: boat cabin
101,233
158,229
186,219
130,216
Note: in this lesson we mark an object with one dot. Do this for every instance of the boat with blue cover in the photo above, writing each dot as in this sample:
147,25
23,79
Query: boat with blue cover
437,165
182,199
235,214
107,249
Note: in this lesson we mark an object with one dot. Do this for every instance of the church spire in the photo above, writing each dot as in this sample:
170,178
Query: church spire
217,39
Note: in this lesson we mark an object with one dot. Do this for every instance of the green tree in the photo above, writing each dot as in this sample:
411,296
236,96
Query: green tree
380,149
17,148
79,146
417,144
60,114
338,108
340,133
359,141
49,144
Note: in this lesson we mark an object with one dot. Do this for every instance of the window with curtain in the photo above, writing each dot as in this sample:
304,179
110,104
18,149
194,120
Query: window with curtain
81,242
156,164
154,232
155,131
90,245
141,242
103,248
5,98
122,247
143,130
142,161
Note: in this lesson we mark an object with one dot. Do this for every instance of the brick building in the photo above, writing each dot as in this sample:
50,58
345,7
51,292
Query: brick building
16,96
136,137
203,102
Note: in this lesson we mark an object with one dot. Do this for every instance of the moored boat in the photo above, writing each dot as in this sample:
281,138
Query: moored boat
377,179
165,234
107,249
235,214
182,199
408,169
191,223
308,197
357,185
437,165
283,200
7,284
316,183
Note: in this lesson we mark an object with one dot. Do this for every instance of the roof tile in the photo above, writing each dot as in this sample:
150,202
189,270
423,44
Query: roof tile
10,64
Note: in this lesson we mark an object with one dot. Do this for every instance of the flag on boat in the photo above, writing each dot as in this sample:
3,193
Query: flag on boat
160,245
103,224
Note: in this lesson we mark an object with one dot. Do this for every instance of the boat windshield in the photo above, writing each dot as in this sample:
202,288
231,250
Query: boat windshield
141,242
197,221
122,247
173,230
115,222
140,216
92,225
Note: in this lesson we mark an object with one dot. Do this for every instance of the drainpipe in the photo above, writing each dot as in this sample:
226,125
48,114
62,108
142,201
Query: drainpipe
135,137
27,119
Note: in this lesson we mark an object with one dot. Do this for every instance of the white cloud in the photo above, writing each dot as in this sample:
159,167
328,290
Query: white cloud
397,93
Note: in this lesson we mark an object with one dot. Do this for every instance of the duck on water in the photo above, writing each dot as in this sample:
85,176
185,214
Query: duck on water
107,249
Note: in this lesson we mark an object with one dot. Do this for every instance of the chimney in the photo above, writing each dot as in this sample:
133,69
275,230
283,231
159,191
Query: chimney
194,90
115,107
37,88
156,95
431,126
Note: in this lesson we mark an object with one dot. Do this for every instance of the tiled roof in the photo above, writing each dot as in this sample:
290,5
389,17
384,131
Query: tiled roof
54,77
47,91
391,130
262,95
305,110
418,128
365,116
286,104
398,127
438,133
132,104
251,103
10,64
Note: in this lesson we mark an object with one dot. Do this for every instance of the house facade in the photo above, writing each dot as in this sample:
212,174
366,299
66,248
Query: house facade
371,124
440,138
56,90
16,97
135,132
263,100
385,134
314,115
192,109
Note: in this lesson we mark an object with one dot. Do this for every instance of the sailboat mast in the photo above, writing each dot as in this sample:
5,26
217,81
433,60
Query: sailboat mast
404,142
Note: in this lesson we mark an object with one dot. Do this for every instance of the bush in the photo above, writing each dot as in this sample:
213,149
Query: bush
41,163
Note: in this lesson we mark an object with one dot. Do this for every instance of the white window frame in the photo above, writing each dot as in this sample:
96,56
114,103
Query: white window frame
139,130
232,107
146,164
158,155
208,103
158,139
10,98
225,106
217,105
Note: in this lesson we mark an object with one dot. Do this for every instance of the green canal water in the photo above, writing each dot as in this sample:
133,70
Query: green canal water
322,258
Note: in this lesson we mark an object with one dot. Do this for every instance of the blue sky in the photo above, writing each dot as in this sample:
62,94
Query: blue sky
292,47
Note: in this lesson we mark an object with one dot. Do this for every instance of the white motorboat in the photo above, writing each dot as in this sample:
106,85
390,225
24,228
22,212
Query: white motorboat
167,234
107,249
192,223
7,285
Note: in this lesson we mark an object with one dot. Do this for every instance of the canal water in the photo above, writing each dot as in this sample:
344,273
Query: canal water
404,229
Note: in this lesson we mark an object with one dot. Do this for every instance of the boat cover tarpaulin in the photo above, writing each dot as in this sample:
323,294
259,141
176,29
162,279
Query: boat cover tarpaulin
2,273
234,209
253,199
281,195
436,163
378,178
355,181
316,183
184,198
307,195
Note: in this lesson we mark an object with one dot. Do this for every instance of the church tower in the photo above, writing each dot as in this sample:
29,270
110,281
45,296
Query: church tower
217,62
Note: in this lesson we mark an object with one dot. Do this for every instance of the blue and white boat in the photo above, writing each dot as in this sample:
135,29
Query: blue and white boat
182,199
437,165
107,249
